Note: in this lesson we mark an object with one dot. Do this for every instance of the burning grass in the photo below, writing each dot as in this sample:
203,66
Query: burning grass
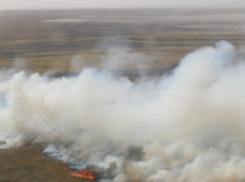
84,174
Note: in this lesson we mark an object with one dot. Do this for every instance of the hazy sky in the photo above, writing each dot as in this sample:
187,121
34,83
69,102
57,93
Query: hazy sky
67,4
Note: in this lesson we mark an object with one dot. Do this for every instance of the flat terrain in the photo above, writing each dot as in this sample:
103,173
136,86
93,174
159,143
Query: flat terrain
51,40
29,165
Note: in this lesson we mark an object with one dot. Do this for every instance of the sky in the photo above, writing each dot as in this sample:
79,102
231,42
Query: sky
81,4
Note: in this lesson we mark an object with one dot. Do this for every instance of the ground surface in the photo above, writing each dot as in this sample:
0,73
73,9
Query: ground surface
49,40
29,165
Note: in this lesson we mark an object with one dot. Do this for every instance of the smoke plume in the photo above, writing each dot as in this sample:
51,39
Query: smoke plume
186,126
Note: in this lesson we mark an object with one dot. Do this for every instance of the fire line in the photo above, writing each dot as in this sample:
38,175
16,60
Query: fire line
83,174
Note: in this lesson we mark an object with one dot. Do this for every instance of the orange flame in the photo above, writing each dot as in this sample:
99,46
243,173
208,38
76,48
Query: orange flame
84,174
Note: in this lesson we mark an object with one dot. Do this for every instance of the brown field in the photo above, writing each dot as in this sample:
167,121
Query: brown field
48,40
29,165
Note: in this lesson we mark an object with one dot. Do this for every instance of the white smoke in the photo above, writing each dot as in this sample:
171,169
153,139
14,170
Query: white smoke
187,126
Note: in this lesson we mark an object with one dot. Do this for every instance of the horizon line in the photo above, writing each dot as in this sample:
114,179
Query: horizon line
130,8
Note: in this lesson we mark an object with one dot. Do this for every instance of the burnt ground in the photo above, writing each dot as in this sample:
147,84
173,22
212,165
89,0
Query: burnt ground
29,165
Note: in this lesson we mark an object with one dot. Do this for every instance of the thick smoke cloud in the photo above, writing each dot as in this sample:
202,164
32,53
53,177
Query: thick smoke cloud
187,126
